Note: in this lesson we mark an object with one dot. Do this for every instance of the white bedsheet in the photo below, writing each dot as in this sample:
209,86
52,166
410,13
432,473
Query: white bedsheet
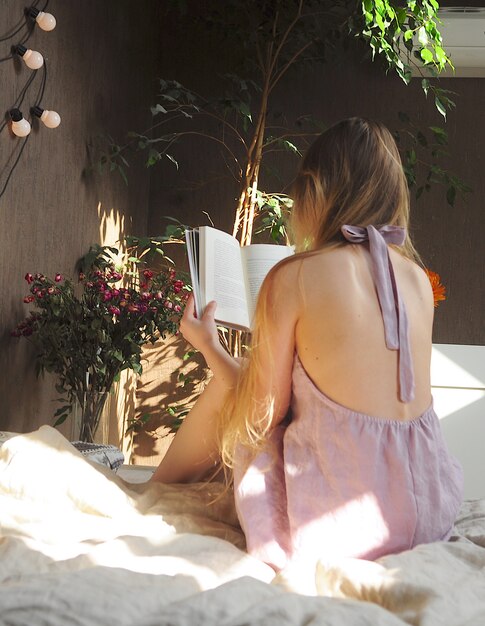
80,546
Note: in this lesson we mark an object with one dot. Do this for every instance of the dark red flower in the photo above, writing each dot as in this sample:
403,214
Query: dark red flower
148,274
29,278
58,278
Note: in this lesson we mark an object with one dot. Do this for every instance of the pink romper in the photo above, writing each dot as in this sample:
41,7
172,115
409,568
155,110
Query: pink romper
336,483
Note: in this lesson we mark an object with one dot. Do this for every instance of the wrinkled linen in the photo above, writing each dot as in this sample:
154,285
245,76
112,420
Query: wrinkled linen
80,546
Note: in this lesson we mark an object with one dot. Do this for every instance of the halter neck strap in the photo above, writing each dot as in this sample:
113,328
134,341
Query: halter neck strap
391,304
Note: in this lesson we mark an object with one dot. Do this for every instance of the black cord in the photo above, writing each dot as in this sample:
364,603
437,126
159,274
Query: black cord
14,166
7,37
21,24
40,93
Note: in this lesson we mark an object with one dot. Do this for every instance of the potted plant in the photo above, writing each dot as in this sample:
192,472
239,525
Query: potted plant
87,334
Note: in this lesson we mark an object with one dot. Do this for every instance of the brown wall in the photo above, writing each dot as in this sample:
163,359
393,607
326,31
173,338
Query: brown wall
101,64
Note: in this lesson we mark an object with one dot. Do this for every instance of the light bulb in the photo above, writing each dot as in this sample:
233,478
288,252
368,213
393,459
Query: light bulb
32,58
51,119
46,21
20,126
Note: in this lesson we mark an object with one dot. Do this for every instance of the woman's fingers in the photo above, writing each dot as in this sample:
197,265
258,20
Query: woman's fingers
210,310
190,306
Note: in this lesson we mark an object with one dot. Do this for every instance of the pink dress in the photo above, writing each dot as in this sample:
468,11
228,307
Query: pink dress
336,483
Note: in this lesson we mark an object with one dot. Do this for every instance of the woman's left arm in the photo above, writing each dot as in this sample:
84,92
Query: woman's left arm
275,339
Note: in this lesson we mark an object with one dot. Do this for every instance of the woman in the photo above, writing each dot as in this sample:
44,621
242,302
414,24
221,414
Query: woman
329,425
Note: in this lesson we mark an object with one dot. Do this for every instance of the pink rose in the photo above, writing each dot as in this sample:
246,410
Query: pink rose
58,278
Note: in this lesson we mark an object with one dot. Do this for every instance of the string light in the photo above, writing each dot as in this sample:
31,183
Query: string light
32,59
51,119
45,21
20,126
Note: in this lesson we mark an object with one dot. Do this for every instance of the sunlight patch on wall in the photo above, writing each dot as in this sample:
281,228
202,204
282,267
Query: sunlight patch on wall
450,370
111,226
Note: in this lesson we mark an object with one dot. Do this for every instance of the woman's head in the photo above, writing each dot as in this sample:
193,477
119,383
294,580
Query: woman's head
352,174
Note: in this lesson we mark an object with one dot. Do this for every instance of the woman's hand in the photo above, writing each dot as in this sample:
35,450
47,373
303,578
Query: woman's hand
202,334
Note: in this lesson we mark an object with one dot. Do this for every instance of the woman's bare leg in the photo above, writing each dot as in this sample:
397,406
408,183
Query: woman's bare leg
194,450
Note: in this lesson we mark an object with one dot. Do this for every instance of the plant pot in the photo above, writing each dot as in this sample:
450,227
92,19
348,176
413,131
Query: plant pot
90,421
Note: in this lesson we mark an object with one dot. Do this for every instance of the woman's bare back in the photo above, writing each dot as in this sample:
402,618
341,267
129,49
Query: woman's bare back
340,332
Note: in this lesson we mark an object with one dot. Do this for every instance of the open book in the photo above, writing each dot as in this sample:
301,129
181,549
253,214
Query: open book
232,275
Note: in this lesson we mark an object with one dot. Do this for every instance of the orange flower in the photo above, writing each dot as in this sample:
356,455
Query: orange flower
439,290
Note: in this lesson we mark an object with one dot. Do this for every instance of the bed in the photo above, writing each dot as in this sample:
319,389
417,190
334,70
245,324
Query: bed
79,545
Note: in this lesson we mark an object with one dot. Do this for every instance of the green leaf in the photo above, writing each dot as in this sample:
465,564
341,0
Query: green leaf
440,106
64,409
158,108
171,158
61,420
440,134
423,37
426,55
451,195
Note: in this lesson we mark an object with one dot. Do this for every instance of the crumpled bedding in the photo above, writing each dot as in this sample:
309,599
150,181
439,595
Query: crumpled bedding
80,546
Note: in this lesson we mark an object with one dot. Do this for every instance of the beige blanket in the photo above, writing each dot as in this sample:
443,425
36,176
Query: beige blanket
80,546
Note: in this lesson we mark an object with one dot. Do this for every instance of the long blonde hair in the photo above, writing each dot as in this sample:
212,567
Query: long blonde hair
352,174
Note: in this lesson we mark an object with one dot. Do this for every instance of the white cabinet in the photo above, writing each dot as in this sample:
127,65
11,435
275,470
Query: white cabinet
458,387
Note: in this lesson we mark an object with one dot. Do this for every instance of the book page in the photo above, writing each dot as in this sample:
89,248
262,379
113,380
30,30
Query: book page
222,277
257,260
192,241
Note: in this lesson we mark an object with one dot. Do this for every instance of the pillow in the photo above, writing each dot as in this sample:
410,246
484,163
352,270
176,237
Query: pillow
108,455
5,436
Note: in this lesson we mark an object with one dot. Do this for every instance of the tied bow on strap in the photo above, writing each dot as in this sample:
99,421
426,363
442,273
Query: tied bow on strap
390,301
